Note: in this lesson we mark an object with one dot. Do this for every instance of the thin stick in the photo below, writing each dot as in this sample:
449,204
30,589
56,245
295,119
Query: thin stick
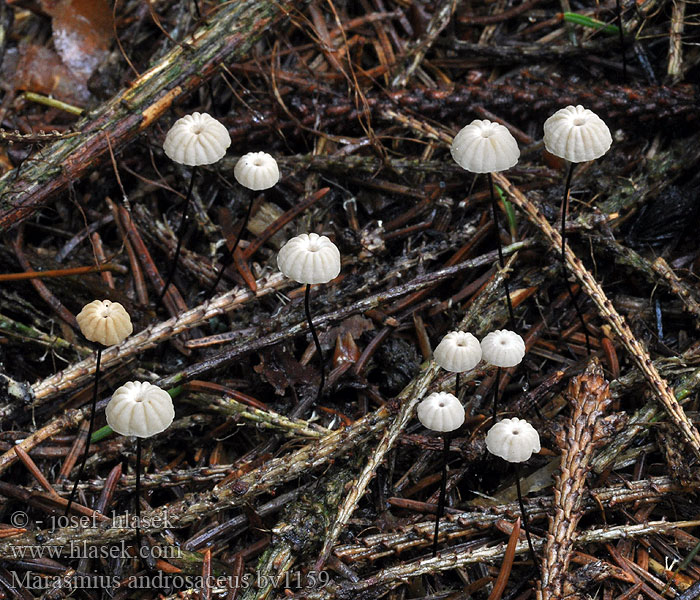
495,394
137,512
457,385
89,433
227,259
526,525
564,210
501,262
443,491
180,234
622,40
307,309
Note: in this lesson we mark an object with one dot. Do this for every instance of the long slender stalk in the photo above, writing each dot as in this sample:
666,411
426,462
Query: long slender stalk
621,33
526,525
227,259
180,234
137,511
89,433
457,385
501,261
564,210
443,491
495,394
314,335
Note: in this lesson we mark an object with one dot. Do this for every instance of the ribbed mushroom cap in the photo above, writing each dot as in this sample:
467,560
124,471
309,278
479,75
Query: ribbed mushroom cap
256,171
485,147
441,412
503,348
458,352
576,134
309,258
196,139
140,408
104,322
513,440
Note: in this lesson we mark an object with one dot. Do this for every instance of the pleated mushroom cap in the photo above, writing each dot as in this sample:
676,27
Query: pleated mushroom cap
441,412
485,147
256,171
309,258
458,352
140,408
576,134
513,440
503,348
104,322
196,139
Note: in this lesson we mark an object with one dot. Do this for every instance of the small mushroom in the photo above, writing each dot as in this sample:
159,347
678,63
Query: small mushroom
502,348
514,440
487,147
194,140
441,412
256,171
140,409
310,259
575,134
108,324
458,352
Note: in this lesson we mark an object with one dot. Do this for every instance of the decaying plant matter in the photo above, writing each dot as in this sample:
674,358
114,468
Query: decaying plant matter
262,488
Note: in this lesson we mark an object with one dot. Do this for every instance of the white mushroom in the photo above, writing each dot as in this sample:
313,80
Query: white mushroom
513,440
309,258
503,348
140,408
196,139
256,171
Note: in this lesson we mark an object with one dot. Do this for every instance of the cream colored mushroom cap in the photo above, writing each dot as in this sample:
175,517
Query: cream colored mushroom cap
256,171
458,352
441,412
576,134
196,139
485,147
140,408
503,348
104,322
513,440
309,258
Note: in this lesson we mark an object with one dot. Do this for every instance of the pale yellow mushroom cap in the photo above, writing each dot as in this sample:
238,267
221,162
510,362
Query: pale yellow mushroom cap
140,408
576,134
196,139
485,147
503,348
105,322
513,440
458,352
309,258
441,412
256,171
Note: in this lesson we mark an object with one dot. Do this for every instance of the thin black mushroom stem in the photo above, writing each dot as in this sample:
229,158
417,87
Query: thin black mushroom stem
256,171
106,323
140,409
515,440
310,258
501,261
314,335
575,134
564,211
180,235
443,413
194,140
